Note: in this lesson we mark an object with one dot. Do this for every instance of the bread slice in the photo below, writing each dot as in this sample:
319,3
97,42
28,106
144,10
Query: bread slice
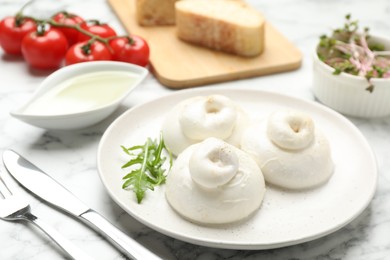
155,12
227,25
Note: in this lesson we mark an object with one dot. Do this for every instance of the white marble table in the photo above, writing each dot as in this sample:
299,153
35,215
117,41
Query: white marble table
70,157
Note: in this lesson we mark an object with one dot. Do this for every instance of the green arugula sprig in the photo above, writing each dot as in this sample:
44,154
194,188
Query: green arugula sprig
147,163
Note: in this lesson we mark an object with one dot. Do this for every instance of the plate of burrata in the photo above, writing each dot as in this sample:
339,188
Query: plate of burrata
252,169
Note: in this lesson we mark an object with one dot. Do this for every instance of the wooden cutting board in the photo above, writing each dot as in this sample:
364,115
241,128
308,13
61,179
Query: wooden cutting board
177,64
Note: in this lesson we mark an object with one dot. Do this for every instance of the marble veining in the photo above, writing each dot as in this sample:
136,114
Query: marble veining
70,157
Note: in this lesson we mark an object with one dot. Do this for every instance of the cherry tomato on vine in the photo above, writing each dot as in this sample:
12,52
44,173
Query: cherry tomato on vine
68,19
86,51
12,31
133,49
45,49
95,27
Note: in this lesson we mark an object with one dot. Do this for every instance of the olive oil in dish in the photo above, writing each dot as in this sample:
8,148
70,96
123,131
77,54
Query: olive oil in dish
82,93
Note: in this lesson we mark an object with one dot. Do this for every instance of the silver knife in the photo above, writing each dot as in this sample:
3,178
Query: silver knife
45,187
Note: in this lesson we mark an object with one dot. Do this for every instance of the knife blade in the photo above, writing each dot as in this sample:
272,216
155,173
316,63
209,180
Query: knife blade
42,185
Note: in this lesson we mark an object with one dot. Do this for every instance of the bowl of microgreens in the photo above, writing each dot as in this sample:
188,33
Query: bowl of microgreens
351,71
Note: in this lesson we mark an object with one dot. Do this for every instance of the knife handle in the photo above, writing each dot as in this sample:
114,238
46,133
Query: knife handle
128,246
71,249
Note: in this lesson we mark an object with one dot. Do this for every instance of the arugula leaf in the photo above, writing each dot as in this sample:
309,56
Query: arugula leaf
146,162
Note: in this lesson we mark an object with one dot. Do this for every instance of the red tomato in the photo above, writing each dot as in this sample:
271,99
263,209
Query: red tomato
96,28
85,51
45,51
68,19
132,49
12,31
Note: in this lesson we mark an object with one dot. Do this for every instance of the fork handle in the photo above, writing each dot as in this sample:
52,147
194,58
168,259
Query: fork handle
71,249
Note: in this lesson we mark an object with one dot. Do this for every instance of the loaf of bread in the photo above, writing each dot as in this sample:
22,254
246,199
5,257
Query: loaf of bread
155,12
226,25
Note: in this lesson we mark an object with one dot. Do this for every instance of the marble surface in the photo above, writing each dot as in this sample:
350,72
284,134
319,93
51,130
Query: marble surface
70,157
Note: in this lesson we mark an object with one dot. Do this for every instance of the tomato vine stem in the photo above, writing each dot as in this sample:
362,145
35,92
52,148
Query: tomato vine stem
41,28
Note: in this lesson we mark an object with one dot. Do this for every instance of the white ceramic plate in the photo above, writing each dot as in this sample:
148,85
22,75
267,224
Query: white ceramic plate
285,217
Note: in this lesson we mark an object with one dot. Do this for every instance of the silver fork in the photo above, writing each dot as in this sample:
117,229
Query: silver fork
15,208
